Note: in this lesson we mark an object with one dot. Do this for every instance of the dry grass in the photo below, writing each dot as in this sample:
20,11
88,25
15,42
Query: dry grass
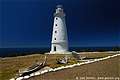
9,66
104,69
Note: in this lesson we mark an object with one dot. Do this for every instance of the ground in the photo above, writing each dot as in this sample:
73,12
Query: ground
104,69
9,66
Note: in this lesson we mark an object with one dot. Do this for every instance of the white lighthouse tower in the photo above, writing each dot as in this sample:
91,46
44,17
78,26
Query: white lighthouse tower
59,44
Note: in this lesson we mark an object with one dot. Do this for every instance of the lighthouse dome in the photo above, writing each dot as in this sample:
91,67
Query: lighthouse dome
59,6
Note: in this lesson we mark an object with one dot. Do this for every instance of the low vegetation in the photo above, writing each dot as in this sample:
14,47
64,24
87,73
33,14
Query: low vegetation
102,70
10,66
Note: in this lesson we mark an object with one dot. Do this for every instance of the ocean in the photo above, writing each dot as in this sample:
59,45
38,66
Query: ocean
10,52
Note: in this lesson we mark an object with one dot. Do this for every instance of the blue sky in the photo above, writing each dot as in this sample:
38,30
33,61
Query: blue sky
28,23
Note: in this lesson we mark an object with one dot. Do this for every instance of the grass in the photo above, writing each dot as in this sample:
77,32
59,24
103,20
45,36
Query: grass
104,69
9,67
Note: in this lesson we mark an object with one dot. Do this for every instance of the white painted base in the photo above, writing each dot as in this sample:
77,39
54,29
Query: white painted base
65,52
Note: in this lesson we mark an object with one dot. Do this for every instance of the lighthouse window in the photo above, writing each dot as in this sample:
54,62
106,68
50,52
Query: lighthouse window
54,48
55,38
55,31
55,24
56,18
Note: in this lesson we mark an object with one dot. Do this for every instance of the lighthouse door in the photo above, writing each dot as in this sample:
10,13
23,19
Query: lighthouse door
54,48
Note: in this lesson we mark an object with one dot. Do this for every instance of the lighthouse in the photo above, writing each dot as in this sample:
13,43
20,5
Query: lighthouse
59,43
